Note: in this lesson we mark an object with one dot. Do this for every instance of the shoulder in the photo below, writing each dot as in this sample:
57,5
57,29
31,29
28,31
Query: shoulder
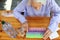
50,2
21,5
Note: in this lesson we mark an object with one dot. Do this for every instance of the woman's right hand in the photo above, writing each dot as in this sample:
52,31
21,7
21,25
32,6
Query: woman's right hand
25,26
23,29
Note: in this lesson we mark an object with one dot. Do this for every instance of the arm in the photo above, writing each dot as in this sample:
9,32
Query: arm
56,17
54,20
17,12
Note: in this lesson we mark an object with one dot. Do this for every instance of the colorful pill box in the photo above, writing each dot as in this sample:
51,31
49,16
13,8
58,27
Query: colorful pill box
35,33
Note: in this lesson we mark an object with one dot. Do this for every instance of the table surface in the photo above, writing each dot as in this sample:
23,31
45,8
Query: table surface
32,22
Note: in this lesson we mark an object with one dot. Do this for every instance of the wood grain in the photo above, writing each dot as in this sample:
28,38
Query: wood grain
32,22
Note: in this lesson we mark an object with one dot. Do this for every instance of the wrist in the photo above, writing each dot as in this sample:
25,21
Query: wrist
25,22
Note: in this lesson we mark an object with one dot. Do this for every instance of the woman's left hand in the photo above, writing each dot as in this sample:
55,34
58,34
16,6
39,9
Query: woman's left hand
47,34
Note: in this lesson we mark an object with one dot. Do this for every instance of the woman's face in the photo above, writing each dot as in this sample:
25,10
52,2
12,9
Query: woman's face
36,4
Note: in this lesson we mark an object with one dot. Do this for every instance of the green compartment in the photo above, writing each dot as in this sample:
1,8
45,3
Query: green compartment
34,35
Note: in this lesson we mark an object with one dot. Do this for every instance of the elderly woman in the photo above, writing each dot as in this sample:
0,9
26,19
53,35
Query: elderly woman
39,8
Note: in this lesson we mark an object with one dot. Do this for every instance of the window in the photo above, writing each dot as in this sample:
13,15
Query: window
8,4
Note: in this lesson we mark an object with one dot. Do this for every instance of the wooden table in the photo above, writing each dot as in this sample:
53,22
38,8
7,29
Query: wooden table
32,21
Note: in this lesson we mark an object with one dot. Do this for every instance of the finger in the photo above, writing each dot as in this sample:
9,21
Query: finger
47,35
46,32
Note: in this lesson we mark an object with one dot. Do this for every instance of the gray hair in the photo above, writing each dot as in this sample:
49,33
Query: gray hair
42,1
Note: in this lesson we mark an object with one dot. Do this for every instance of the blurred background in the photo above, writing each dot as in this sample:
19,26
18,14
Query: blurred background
11,4
8,4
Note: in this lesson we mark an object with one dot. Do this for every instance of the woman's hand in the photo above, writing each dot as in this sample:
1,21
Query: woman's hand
25,26
23,29
47,34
